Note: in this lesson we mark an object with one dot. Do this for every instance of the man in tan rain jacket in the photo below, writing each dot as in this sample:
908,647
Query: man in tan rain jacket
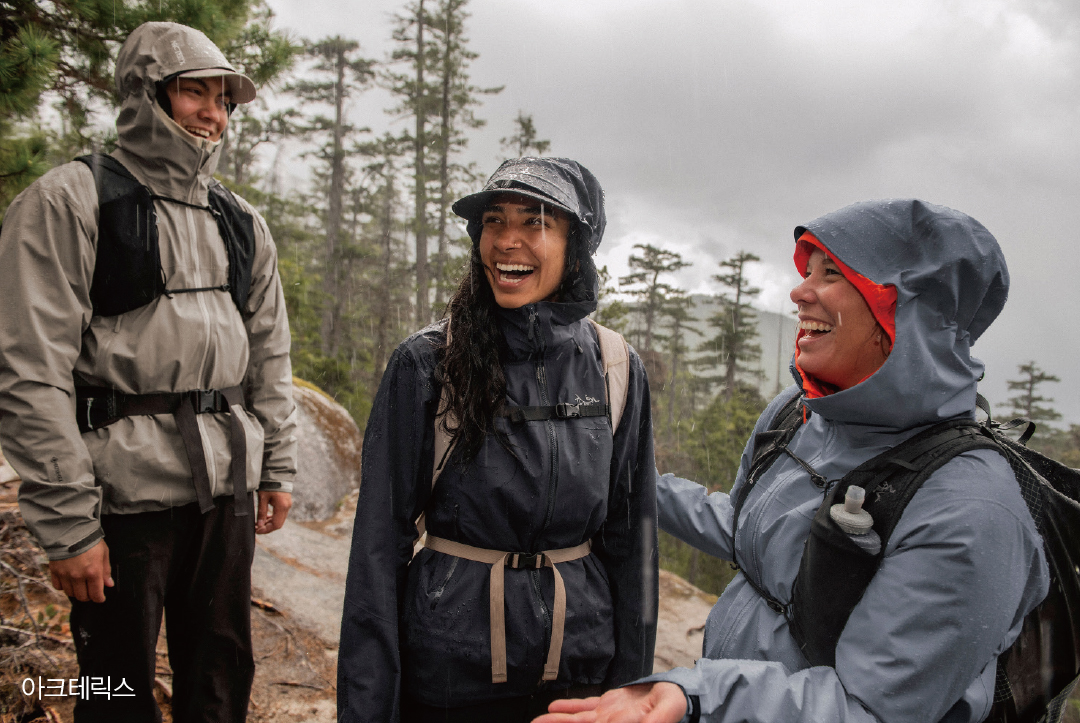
151,504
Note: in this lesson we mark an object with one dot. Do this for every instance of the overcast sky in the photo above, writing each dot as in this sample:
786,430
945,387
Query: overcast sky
719,125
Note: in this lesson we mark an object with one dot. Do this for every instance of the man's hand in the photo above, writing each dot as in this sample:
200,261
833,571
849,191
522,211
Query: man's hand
85,576
280,502
645,703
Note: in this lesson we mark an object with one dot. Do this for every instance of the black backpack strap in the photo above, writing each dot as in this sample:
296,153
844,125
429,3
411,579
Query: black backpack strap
127,266
563,410
237,228
768,446
127,274
101,165
835,572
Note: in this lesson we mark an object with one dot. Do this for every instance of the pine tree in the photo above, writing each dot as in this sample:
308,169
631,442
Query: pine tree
345,73
644,284
1029,403
733,349
389,313
676,311
610,310
419,101
457,98
524,138
27,58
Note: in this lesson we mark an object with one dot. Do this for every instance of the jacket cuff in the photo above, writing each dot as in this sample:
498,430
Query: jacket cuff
64,552
273,485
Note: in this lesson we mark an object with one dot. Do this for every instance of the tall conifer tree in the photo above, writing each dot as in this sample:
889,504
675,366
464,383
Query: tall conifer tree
733,348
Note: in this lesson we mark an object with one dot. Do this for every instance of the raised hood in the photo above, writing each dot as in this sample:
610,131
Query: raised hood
162,154
951,282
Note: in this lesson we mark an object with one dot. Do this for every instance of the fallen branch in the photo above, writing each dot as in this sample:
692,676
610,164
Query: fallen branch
300,685
39,634
263,605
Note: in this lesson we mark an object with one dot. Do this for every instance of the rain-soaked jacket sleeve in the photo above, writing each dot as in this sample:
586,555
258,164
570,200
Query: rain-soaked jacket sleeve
46,264
268,380
395,480
946,601
626,544
687,511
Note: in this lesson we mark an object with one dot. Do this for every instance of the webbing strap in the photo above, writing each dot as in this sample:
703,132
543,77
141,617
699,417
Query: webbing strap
193,446
183,406
498,560
563,410
238,450
616,358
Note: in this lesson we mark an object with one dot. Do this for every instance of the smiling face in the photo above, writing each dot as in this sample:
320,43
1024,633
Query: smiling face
523,249
200,105
839,340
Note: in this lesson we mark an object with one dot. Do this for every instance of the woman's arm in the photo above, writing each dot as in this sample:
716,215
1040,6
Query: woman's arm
702,520
626,544
395,483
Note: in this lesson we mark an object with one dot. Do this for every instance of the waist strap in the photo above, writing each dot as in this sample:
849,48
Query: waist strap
499,560
97,407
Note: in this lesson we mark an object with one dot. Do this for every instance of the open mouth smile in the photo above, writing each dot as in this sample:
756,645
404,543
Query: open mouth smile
814,328
514,273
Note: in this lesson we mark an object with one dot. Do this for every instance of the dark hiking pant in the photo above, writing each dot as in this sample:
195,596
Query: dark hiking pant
198,568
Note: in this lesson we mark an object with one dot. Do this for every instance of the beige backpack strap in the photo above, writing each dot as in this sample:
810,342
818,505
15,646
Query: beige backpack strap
616,358
498,560
444,445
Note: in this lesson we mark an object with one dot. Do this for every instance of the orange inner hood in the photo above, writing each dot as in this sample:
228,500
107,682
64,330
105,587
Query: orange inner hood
880,298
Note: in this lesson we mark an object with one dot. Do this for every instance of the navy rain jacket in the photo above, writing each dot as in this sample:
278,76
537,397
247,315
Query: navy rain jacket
963,566
422,627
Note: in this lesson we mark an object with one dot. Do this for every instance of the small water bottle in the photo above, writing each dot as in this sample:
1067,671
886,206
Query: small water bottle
855,521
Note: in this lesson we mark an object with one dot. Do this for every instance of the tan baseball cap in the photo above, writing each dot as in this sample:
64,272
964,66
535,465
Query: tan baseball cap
241,89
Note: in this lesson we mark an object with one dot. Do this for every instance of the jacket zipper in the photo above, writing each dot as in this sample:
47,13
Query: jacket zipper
189,215
553,478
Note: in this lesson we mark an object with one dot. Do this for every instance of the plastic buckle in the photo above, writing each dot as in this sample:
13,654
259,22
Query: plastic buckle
522,561
205,401
777,607
565,410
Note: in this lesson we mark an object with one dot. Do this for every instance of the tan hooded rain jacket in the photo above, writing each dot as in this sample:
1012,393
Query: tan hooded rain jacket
174,344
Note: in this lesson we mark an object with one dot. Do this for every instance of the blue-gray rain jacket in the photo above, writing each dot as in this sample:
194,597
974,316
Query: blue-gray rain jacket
963,566
423,628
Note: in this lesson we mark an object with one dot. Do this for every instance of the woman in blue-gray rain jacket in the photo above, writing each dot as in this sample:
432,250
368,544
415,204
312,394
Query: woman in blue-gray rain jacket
415,636
965,563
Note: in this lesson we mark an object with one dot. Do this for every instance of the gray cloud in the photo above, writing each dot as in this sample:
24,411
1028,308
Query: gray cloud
716,126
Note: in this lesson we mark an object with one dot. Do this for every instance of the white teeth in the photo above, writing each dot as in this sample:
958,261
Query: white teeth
514,267
201,132
814,326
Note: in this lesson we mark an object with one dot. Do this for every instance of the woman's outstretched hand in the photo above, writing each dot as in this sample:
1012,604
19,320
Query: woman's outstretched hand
645,703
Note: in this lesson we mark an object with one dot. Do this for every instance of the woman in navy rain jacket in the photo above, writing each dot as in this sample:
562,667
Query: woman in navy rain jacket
894,295
416,637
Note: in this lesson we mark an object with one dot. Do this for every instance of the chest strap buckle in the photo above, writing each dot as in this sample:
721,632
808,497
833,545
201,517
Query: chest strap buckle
565,410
